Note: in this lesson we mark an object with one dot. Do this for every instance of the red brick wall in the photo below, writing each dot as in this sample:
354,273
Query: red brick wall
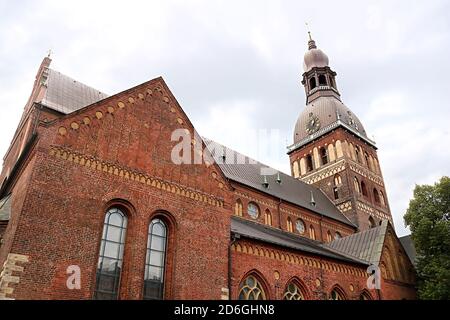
62,220
307,272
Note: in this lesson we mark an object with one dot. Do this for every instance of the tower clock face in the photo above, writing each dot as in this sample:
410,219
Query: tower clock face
313,124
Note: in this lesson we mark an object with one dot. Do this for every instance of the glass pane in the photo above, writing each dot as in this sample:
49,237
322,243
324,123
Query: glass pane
152,290
111,250
156,258
116,219
158,229
158,243
108,266
106,283
154,273
113,233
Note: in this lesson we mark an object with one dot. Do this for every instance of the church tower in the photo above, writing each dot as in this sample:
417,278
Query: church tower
332,151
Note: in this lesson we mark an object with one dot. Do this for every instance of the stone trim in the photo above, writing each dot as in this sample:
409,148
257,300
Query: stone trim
11,274
328,171
108,168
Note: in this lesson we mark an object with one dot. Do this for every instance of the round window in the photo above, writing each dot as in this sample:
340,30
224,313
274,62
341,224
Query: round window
300,226
253,210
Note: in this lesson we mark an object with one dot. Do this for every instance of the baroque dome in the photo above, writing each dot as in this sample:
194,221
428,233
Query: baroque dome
325,111
314,57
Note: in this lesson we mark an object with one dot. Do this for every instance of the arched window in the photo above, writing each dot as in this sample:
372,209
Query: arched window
323,156
293,291
366,157
110,260
309,163
329,237
331,81
253,210
337,180
365,296
251,289
376,195
364,189
300,226
337,294
382,199
312,232
238,208
312,83
372,223
358,159
356,185
335,193
337,235
155,260
322,80
268,218
289,225
295,169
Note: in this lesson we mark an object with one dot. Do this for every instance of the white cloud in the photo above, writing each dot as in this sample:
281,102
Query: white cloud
235,66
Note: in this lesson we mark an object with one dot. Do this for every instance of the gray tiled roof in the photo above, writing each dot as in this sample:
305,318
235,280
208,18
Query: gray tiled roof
408,245
244,170
257,231
365,245
67,95
5,208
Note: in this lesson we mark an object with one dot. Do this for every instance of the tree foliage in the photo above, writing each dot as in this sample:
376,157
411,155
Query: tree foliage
428,217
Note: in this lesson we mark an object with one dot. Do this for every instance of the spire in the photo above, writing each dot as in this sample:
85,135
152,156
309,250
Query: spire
311,42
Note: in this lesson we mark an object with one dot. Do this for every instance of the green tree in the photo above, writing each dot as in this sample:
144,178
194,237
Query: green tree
428,217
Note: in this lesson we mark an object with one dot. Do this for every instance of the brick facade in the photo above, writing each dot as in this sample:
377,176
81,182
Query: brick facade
117,153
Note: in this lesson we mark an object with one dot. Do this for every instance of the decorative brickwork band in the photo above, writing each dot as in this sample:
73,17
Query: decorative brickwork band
96,164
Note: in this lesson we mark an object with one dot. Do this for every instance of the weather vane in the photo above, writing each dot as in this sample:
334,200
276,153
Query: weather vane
49,53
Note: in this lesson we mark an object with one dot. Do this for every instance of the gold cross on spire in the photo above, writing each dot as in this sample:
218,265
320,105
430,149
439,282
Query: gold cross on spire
309,31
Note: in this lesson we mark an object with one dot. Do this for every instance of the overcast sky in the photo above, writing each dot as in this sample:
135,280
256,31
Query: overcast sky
236,66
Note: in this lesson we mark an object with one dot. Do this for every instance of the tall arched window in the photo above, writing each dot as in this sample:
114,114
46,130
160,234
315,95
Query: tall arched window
356,185
337,180
268,218
372,223
312,232
238,208
376,195
366,157
337,294
358,159
312,83
309,163
251,289
289,225
110,260
382,199
295,169
364,189
323,156
329,237
155,260
365,296
293,291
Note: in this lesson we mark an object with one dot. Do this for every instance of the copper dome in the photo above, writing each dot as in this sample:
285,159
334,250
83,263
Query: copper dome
326,110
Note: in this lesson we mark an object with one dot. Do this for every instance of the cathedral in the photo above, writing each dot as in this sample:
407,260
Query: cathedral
100,198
